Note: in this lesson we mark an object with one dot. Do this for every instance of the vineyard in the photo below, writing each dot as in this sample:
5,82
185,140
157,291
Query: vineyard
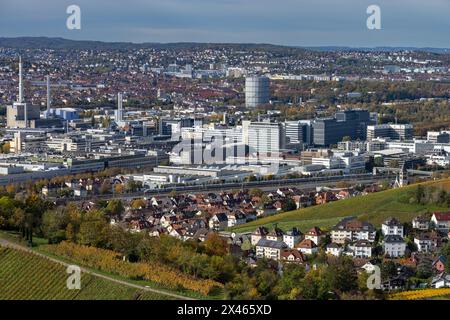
420,294
25,276
109,261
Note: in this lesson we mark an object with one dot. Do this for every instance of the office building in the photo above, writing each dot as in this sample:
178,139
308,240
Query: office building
265,137
348,123
392,131
298,132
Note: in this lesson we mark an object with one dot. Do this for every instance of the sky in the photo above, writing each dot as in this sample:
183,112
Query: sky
416,23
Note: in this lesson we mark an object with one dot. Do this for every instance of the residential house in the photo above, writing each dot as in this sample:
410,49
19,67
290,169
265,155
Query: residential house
302,201
236,218
441,220
218,222
276,234
394,246
441,281
324,197
439,264
395,283
361,249
292,256
334,249
315,235
307,246
426,242
80,191
292,237
168,219
391,226
258,234
269,249
351,229
421,223
369,267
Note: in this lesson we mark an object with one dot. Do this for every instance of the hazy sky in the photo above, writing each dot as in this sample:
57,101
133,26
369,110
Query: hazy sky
291,22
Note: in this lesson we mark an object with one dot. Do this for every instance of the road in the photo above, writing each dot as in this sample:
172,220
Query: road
7,243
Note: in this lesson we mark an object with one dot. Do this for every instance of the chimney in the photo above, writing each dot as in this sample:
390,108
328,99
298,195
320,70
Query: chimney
20,81
119,107
48,94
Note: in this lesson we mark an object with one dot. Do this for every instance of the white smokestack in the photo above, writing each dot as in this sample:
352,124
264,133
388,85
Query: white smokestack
119,107
20,81
48,94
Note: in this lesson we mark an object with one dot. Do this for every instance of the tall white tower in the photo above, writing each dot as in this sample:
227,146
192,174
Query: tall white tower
119,107
48,94
20,100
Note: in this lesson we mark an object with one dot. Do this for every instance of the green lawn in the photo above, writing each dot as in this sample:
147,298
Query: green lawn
375,208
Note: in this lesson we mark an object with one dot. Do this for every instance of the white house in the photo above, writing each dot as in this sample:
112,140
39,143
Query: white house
392,227
218,222
314,234
361,249
292,237
425,242
421,223
269,249
369,267
334,249
258,234
351,229
307,246
394,246
441,281
236,218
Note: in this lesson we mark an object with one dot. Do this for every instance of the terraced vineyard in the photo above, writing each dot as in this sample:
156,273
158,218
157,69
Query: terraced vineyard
25,276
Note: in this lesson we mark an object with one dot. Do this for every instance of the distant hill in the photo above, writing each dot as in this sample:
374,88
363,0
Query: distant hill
61,43
374,207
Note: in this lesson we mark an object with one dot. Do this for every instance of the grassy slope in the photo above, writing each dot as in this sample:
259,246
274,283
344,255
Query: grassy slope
40,245
26,276
374,207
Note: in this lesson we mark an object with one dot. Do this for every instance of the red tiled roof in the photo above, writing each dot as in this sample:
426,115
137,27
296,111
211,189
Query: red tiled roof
442,216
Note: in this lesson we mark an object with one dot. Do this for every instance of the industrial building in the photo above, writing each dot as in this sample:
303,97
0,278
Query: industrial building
392,131
256,91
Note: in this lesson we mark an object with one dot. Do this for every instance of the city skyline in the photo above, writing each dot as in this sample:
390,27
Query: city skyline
293,23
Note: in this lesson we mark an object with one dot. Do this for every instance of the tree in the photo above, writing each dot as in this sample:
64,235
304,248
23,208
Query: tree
288,205
342,275
388,269
105,187
54,224
115,208
215,245
256,192
93,229
424,268
138,204
445,251
420,193
346,138
118,188
289,285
